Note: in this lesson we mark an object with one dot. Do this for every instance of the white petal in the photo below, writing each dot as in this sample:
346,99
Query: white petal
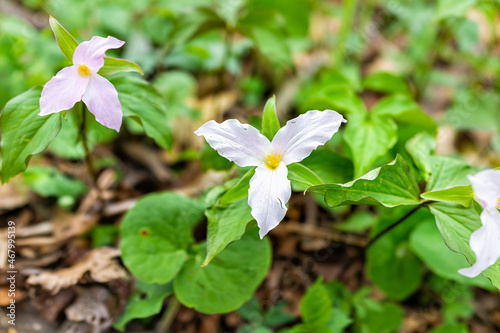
486,186
239,143
63,91
268,194
485,242
102,100
91,53
301,135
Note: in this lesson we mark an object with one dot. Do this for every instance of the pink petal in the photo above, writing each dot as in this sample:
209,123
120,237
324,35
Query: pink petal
91,53
63,91
268,194
301,135
240,143
102,100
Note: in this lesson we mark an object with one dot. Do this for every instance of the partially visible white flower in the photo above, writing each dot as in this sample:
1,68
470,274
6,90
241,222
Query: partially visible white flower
485,241
243,144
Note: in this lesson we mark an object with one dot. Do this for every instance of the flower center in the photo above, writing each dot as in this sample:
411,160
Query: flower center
83,70
273,161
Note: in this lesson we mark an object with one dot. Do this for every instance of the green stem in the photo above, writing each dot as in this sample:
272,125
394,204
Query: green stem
168,317
392,226
88,158
348,12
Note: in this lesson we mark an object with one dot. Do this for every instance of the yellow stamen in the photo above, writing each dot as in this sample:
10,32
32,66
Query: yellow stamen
273,161
84,70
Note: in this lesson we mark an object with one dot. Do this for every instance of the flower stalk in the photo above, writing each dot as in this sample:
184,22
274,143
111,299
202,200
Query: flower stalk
88,157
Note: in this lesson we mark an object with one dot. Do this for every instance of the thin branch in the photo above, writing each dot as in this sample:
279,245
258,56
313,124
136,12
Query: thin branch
392,226
168,317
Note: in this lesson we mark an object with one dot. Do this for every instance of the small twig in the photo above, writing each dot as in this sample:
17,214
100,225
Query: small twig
88,157
168,317
119,207
392,226
38,229
319,232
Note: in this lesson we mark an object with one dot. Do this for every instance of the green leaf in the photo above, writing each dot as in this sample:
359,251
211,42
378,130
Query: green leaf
440,172
456,225
226,223
301,174
389,262
270,123
386,83
66,42
104,235
450,328
240,190
24,132
210,159
453,8
277,315
357,222
390,185
369,137
271,45
230,280
68,143
308,328
145,302
337,98
386,318
474,109
404,110
48,181
141,101
447,172
426,242
156,233
420,148
461,195
466,33
329,166
316,307
114,65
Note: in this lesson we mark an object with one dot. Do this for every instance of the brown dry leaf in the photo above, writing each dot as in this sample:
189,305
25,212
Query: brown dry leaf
95,306
323,26
73,327
214,106
67,225
149,158
14,194
99,263
445,142
485,28
4,295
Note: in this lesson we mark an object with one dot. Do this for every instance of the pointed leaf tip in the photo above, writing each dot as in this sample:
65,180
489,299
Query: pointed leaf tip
67,43
270,122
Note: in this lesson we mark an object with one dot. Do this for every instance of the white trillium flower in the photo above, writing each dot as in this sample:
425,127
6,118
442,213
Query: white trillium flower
244,145
485,241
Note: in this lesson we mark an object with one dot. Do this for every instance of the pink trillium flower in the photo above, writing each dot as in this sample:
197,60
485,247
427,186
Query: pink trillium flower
244,145
80,82
485,241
